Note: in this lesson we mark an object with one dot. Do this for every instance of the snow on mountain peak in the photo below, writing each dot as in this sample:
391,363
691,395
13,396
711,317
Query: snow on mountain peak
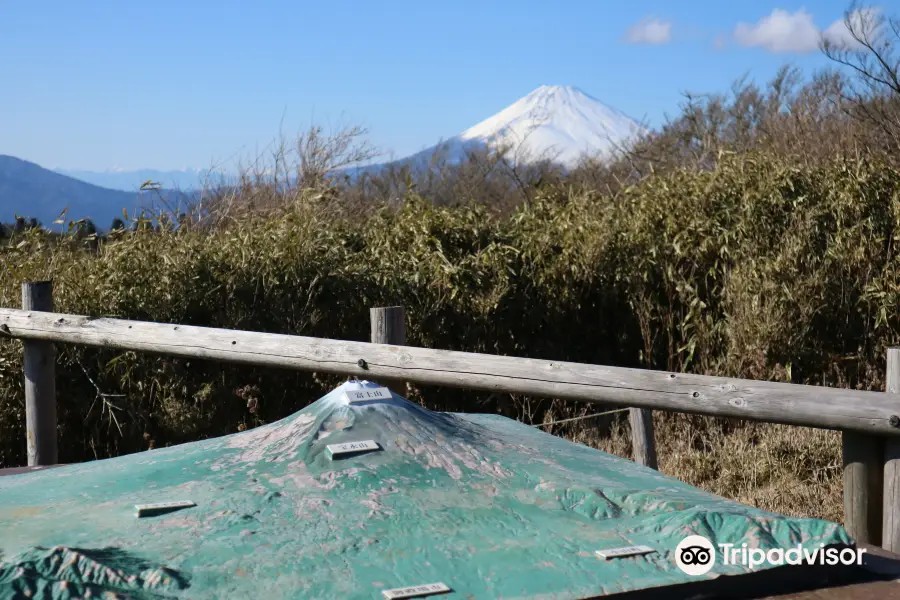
559,122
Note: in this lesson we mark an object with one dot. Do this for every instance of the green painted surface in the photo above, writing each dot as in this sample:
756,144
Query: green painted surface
491,507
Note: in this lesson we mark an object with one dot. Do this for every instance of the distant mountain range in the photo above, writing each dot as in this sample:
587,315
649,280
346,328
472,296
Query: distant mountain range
131,181
557,123
29,190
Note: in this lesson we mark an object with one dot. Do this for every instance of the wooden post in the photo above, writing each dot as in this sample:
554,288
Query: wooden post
40,382
863,466
388,326
642,439
890,530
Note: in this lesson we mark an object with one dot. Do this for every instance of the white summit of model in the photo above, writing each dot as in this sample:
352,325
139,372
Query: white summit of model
557,122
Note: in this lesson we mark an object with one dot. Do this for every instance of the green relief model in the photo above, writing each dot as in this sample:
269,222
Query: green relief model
351,499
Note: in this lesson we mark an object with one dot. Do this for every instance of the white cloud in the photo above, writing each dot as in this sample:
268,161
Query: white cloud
781,31
861,20
649,31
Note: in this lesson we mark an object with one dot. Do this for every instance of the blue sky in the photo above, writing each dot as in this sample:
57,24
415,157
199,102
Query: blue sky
169,84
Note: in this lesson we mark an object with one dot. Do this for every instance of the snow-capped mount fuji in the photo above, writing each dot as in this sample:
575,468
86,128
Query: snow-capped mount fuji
556,122
560,123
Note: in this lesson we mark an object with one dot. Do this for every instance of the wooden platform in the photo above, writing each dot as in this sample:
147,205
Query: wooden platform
884,590
878,579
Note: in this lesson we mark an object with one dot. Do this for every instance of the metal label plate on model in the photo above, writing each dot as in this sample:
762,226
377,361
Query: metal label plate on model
624,551
145,510
416,591
366,394
352,447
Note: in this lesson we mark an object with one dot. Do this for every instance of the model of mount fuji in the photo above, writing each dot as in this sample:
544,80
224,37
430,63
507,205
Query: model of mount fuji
362,492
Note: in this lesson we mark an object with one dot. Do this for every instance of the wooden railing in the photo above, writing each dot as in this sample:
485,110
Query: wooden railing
870,421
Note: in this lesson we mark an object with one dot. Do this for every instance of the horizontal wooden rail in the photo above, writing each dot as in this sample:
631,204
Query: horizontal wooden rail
813,406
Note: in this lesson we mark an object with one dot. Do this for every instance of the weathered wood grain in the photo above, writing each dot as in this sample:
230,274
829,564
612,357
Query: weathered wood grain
388,326
40,382
643,441
811,406
862,458
890,532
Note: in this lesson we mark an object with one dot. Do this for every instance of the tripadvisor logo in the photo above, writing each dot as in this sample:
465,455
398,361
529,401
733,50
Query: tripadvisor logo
696,555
